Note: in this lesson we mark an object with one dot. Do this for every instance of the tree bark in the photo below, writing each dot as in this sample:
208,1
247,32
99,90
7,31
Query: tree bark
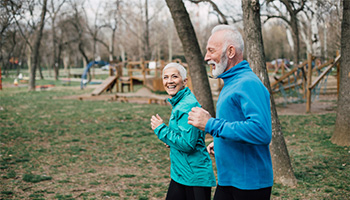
341,135
295,31
36,47
193,55
283,172
147,38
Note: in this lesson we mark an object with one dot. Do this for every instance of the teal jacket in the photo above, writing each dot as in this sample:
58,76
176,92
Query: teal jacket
190,161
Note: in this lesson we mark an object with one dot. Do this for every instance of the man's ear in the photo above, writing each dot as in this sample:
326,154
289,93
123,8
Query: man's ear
231,51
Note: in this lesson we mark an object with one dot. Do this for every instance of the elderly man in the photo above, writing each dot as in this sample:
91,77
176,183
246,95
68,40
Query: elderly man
242,128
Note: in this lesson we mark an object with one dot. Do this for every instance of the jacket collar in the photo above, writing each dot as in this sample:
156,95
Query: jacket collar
237,69
178,96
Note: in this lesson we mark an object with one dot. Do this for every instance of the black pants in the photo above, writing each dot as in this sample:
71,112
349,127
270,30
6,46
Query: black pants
232,193
178,191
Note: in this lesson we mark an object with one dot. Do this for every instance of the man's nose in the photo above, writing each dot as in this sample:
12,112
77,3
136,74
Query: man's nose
206,57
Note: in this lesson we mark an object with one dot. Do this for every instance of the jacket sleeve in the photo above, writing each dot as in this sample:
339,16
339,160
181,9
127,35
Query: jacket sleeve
185,139
254,125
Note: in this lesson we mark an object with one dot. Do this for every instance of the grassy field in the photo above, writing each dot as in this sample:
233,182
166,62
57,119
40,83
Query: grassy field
54,148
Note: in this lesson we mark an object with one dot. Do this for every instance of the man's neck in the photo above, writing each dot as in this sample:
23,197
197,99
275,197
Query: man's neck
233,62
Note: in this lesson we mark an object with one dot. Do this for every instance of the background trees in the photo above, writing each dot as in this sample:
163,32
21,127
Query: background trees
80,30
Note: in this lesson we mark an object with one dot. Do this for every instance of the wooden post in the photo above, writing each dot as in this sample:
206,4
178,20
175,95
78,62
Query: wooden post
276,66
338,74
0,80
111,73
282,66
143,70
309,77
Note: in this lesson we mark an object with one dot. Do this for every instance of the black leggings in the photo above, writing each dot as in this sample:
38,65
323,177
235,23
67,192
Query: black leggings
232,193
178,191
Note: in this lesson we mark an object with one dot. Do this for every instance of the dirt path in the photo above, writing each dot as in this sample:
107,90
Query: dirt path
322,105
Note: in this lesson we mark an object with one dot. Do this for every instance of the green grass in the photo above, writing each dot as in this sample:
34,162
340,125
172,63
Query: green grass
54,148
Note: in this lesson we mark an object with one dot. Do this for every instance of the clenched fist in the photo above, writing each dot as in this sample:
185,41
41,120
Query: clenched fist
198,117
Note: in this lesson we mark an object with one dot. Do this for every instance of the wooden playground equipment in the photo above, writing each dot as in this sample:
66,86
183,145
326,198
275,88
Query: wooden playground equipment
296,85
147,73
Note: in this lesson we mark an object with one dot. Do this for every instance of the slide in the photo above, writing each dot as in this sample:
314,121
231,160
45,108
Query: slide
108,83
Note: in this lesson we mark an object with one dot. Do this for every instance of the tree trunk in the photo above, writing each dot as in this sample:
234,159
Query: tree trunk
295,31
40,70
57,65
111,48
82,51
147,46
29,59
193,55
315,37
36,47
283,172
341,135
54,43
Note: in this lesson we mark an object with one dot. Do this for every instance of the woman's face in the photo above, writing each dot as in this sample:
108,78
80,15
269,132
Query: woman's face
172,81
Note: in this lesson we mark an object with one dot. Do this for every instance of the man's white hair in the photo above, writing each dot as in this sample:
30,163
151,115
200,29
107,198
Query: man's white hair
179,67
232,37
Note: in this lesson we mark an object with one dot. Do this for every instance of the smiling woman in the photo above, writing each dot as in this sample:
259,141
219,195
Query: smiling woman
191,168
174,78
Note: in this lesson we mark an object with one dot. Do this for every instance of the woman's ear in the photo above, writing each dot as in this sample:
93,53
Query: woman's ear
231,51
185,81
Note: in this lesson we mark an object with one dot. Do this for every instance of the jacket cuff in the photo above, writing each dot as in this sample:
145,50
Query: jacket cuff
208,126
156,130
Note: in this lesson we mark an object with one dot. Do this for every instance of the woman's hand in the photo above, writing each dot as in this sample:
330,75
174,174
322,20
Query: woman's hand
210,148
156,121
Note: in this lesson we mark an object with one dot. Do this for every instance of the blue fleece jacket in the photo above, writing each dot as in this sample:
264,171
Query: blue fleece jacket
242,130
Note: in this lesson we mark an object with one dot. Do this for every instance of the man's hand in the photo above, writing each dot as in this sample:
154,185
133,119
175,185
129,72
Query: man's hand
198,117
156,121
210,148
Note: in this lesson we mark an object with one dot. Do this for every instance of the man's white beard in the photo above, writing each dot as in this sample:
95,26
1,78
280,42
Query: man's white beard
219,67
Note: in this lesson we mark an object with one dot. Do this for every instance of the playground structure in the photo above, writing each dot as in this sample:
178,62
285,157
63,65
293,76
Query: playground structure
146,73
296,85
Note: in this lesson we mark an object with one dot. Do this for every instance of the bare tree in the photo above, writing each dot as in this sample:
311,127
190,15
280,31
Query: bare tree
78,23
53,13
283,172
341,135
6,19
222,18
36,47
193,54
293,8
35,30
111,22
